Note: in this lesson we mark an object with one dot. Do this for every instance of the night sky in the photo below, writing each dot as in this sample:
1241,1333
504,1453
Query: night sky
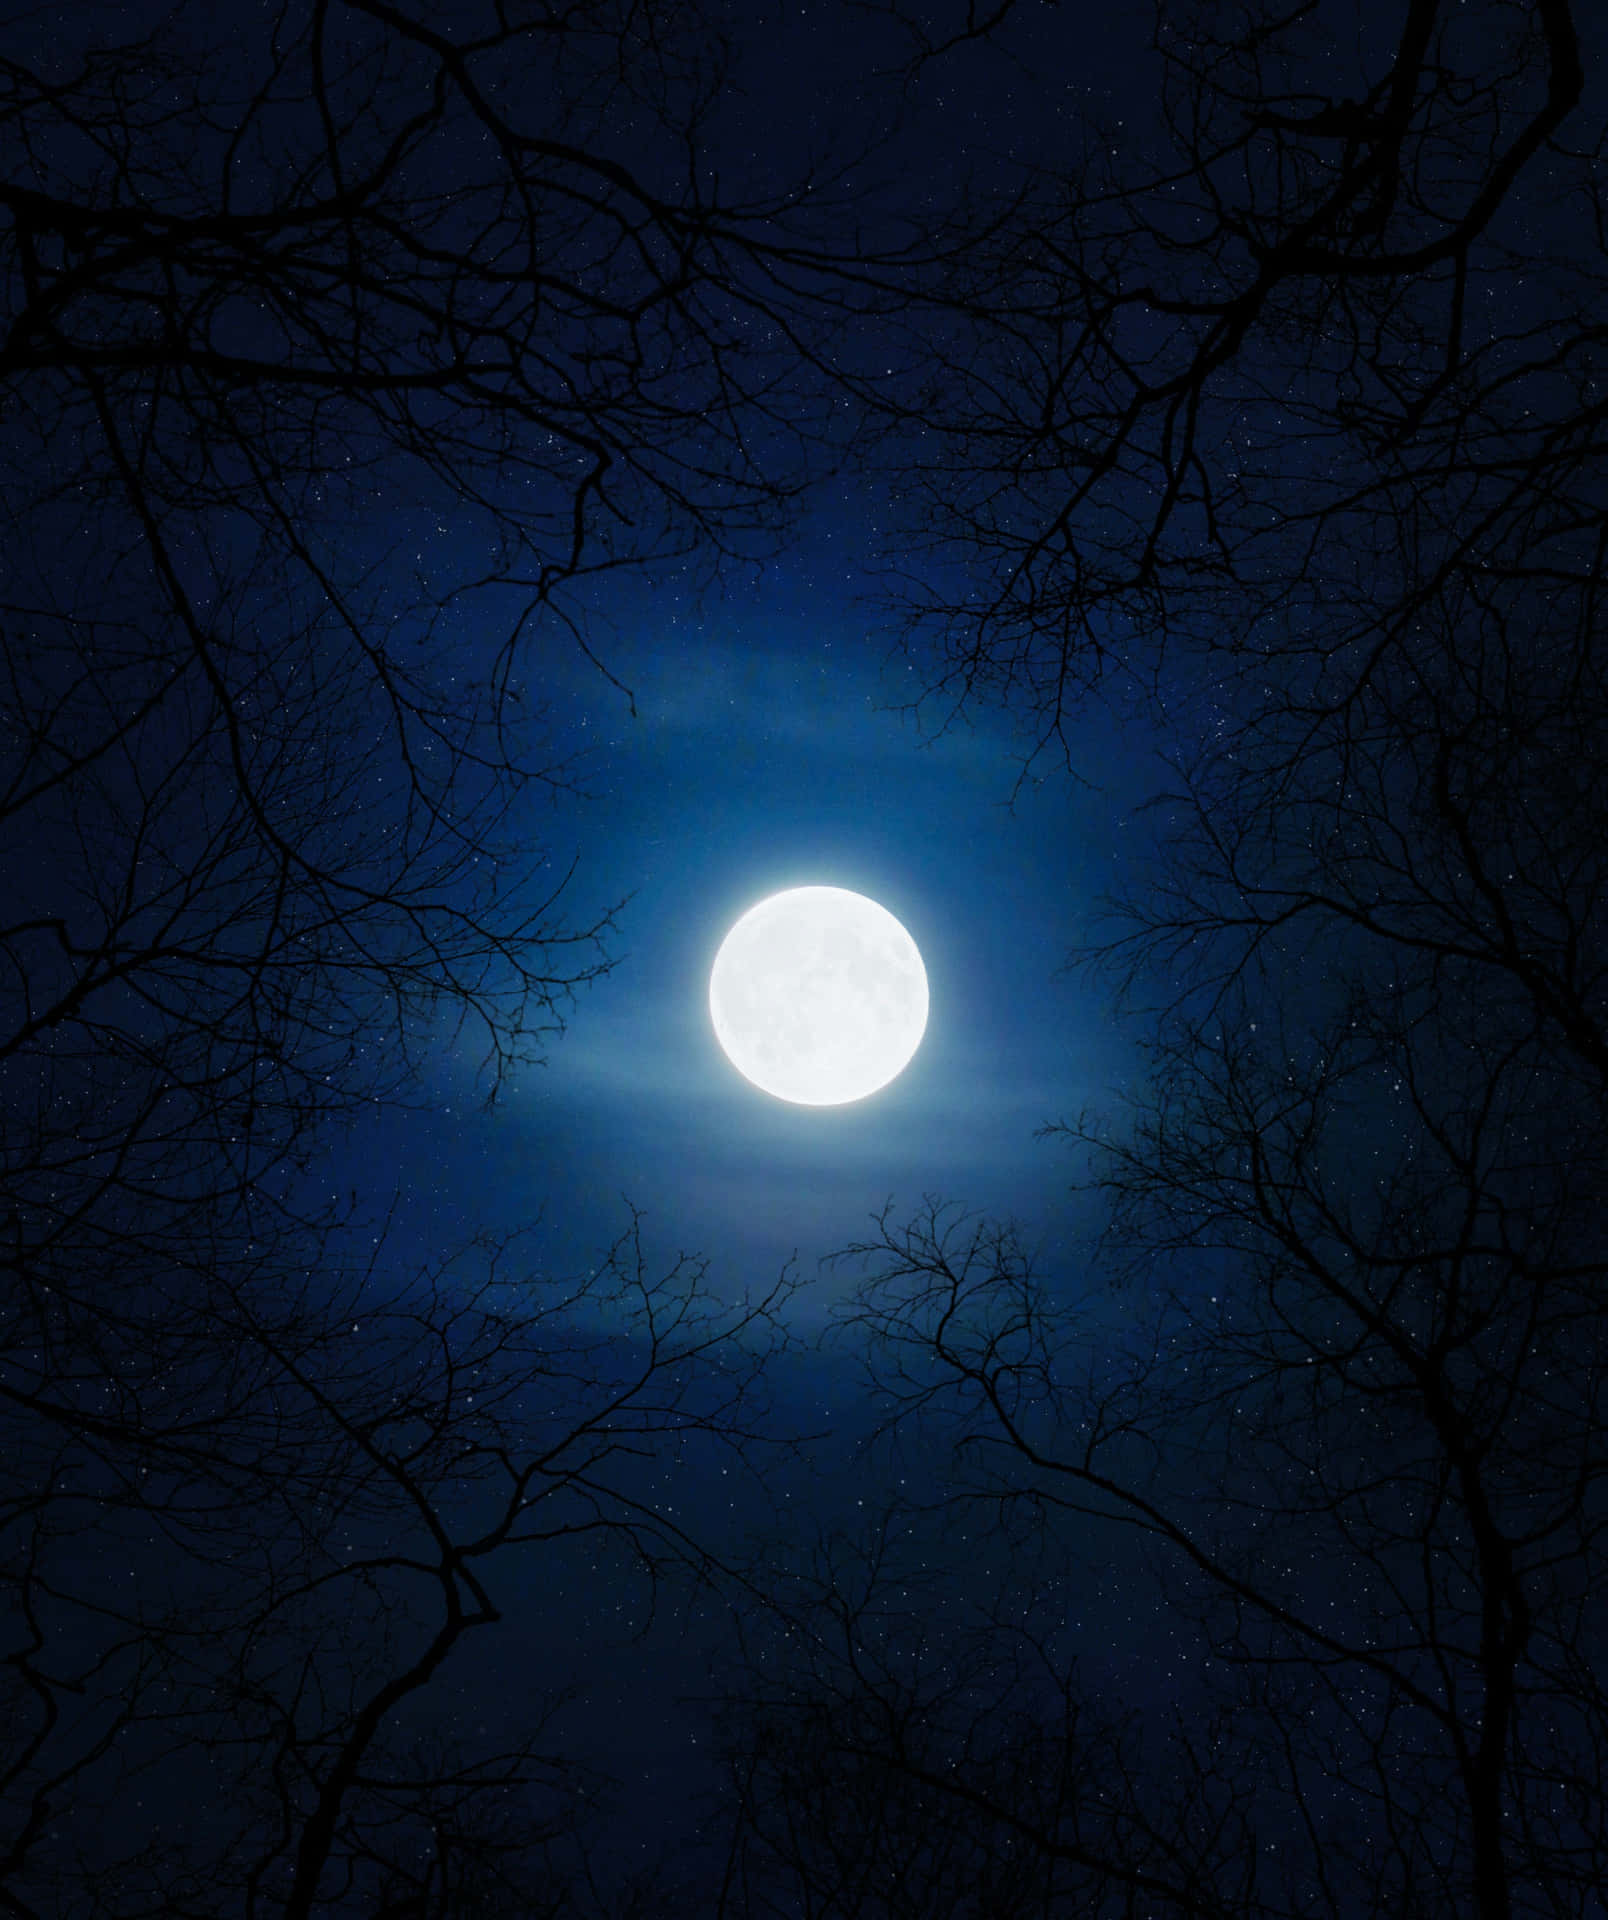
492,493
765,755
769,750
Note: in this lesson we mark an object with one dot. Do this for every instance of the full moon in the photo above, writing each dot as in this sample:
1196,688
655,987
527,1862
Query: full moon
818,996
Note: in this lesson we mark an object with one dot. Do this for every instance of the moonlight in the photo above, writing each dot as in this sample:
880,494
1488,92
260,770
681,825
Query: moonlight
818,996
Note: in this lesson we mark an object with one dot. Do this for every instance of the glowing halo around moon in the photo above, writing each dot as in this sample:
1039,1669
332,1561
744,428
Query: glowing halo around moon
818,996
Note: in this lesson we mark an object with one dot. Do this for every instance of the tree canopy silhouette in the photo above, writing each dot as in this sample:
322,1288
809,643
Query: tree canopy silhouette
343,346
1283,433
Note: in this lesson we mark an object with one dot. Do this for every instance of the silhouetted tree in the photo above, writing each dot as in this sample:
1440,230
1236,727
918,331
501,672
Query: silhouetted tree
1295,428
243,1546
1335,299
341,346
910,1743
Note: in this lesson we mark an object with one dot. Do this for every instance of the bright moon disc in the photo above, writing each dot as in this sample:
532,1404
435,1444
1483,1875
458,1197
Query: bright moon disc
818,996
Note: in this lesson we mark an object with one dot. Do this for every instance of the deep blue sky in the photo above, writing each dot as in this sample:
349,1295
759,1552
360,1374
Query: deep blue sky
731,739
767,751
765,746
770,746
